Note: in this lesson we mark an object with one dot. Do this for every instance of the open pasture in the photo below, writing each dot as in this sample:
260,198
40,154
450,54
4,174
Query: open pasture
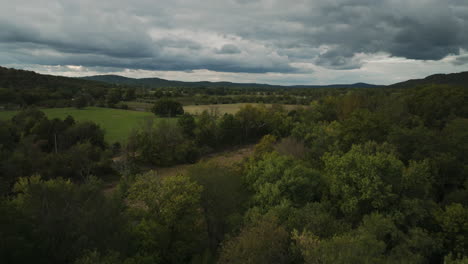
117,123
227,108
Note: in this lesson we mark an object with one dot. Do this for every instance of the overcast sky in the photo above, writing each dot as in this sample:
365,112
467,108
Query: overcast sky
265,41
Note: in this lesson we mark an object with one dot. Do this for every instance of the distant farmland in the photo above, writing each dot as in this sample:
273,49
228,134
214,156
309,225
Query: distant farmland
117,123
227,108
198,109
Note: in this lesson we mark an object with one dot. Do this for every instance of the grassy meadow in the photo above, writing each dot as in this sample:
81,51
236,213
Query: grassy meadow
227,108
117,123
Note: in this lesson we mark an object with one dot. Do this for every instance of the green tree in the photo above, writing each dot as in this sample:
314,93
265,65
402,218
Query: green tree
222,199
266,145
366,178
376,240
187,124
113,96
167,108
320,138
163,144
129,94
453,221
166,211
437,104
363,126
206,133
62,219
80,102
262,243
276,178
413,143
229,130
252,122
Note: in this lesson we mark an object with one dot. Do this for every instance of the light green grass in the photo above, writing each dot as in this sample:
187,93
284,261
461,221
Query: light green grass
116,123
139,106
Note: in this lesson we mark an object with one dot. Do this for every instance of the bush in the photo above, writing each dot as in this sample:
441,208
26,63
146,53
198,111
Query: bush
167,108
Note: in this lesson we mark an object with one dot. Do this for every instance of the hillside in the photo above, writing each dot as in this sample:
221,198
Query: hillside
455,79
22,79
20,87
162,83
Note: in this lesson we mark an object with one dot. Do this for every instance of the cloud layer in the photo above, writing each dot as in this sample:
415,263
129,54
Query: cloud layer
287,38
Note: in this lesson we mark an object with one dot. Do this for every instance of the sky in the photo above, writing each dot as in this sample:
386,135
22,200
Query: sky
265,41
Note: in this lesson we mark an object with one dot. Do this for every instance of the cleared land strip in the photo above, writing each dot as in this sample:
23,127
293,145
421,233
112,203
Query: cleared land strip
225,158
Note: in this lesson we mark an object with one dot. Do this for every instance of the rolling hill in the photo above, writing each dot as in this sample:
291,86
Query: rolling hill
22,79
162,83
455,79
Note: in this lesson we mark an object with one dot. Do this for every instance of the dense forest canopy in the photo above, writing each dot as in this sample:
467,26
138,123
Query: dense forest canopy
359,176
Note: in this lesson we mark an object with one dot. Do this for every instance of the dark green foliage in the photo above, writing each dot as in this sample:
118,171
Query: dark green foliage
229,130
80,102
167,218
188,125
167,108
452,79
453,221
23,88
362,176
206,133
437,105
376,240
163,144
32,144
363,126
113,96
364,179
253,123
222,200
276,178
262,243
55,220
130,94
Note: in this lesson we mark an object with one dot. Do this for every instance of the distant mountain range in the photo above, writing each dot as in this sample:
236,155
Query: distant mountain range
19,78
162,83
457,79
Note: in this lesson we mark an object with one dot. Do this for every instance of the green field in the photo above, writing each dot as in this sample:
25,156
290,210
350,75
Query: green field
117,123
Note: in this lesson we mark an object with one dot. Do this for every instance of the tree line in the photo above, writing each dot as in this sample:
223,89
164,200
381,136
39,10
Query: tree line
169,142
20,88
31,144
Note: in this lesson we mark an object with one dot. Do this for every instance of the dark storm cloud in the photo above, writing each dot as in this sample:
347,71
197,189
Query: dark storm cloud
462,60
338,58
421,30
230,36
